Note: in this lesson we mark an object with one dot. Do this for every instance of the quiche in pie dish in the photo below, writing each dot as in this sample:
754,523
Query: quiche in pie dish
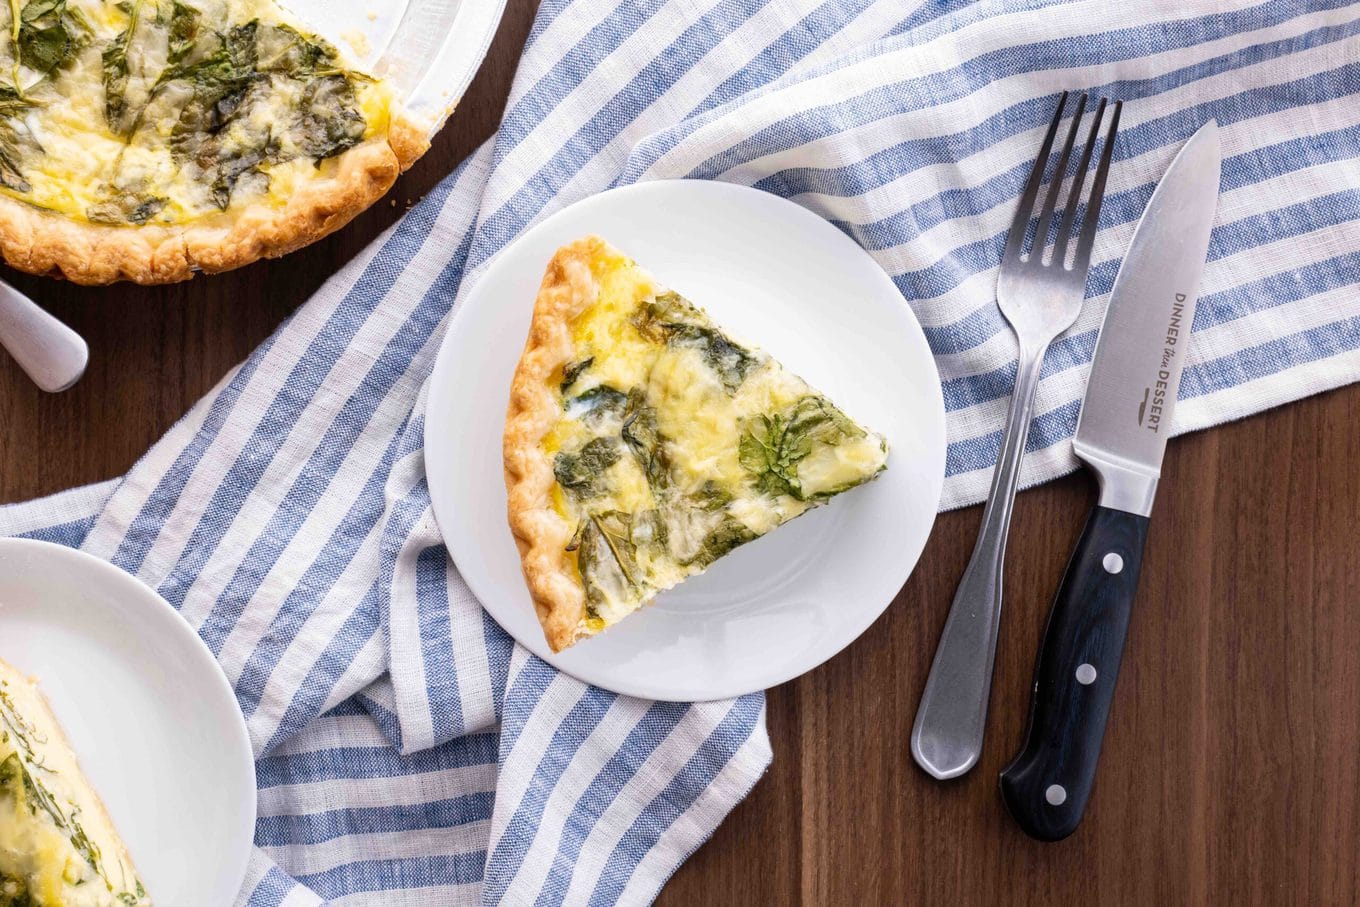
58,847
149,139
642,443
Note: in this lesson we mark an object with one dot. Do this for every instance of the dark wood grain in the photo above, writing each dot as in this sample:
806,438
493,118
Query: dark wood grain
1231,769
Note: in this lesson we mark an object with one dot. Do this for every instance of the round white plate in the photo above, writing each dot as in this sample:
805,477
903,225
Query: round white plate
149,713
779,277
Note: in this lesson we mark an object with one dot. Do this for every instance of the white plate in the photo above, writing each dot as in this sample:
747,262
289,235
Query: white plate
149,713
784,279
428,49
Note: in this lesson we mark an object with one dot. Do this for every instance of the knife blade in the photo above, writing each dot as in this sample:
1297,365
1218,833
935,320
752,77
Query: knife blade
1121,437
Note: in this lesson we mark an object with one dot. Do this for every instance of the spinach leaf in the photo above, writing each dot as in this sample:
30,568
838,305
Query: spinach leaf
37,9
11,779
86,848
729,534
221,82
616,529
583,472
821,421
226,70
770,452
12,103
710,497
239,47
572,370
773,445
227,74
49,34
592,406
731,363
126,208
230,169
285,50
116,73
645,441
238,73
184,32
649,528
606,558
18,781
16,144
43,47
656,319
331,121
671,319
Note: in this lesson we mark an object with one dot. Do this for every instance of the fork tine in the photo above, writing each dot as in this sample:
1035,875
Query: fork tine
1074,197
1092,220
1015,239
1055,187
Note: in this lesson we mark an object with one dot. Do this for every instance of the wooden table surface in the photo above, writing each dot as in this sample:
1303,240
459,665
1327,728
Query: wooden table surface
1231,770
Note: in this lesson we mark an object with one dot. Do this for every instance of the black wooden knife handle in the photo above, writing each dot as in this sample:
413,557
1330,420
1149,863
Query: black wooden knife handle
1048,783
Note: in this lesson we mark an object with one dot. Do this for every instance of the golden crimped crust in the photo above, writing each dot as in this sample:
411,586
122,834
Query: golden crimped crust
50,244
541,533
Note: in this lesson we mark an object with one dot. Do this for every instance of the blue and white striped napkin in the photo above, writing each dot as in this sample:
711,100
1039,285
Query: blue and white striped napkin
409,753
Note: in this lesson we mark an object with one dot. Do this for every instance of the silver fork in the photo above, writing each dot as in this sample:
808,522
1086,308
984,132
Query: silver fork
1040,297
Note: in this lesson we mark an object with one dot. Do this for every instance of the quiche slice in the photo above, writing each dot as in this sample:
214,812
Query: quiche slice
58,847
642,443
150,139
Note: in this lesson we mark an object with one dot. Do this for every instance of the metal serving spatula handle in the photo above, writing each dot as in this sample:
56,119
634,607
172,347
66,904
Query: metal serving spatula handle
49,352
1041,296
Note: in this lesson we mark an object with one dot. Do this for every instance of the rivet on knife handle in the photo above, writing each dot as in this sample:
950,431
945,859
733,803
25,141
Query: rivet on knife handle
1047,785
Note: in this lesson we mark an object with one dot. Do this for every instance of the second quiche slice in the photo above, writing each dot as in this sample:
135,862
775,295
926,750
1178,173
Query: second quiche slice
58,847
642,443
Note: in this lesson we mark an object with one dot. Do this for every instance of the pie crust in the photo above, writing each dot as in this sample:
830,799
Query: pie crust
568,288
53,245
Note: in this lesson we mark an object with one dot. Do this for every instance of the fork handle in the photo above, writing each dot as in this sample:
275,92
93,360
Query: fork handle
947,737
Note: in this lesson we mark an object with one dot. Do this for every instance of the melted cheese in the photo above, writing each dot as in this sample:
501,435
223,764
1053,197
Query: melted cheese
605,325
51,821
639,354
81,161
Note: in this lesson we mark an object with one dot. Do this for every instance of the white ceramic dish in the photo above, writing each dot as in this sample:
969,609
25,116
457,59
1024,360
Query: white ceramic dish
149,713
782,278
429,49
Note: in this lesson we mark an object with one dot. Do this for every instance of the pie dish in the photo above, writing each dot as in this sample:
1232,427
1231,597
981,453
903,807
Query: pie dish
150,139
58,847
642,443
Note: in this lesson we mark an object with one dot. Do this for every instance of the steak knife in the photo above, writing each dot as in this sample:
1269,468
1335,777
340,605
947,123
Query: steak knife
1121,437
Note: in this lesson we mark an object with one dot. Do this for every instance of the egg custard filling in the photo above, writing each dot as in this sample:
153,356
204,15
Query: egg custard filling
170,114
58,847
643,443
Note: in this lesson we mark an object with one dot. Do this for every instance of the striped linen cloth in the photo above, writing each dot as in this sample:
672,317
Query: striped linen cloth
409,752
